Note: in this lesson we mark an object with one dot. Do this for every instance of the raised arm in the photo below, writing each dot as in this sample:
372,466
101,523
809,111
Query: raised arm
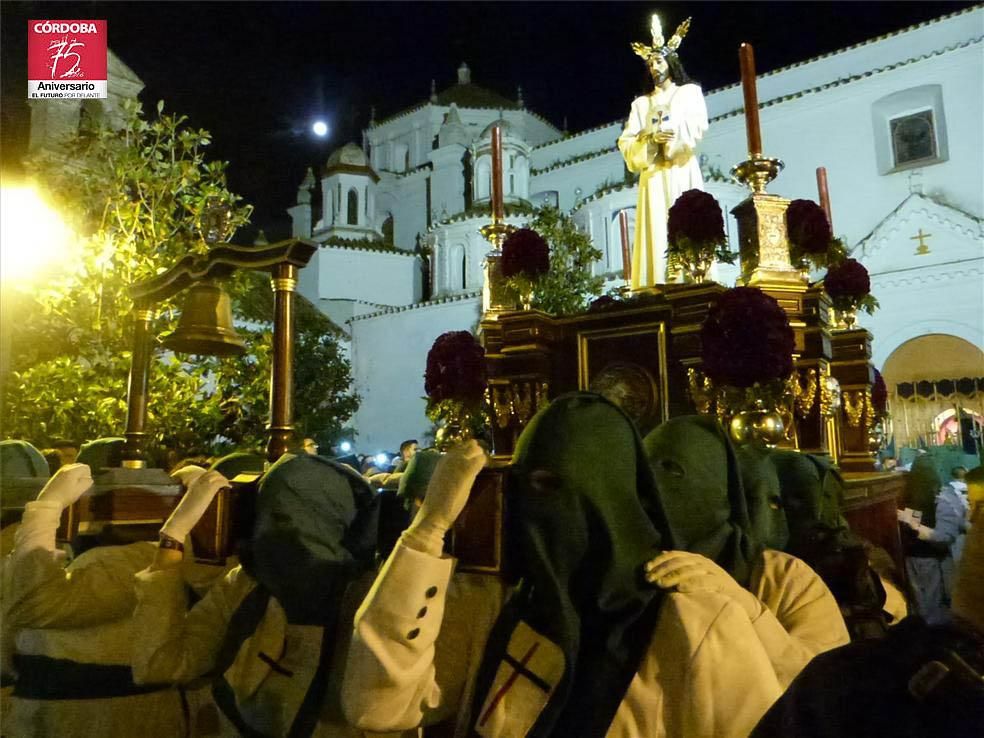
40,592
172,644
394,677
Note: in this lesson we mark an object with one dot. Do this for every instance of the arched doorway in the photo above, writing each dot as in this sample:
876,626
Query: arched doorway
936,392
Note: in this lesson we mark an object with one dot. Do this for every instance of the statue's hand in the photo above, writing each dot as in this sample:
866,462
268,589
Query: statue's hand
662,137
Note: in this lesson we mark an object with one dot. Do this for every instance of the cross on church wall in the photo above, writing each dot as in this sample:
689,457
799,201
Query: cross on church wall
922,249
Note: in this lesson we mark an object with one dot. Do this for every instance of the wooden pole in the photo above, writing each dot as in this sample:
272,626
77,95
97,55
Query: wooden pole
281,426
746,58
134,449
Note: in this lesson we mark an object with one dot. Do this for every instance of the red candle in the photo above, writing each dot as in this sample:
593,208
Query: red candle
824,194
497,214
623,227
746,57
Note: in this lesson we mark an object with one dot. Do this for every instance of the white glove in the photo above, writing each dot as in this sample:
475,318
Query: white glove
193,505
187,475
41,517
67,485
447,493
691,572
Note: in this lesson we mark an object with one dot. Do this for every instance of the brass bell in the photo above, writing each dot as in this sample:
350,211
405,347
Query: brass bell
206,327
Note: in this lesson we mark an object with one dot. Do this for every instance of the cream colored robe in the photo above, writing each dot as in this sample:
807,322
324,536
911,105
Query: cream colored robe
710,671
82,613
665,171
177,645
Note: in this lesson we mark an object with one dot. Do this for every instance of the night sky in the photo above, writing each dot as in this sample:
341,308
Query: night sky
258,74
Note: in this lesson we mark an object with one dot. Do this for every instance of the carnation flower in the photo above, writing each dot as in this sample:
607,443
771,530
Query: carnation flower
455,369
847,280
695,216
879,394
808,227
746,339
525,253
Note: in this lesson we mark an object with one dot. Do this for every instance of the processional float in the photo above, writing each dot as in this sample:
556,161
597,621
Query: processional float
646,356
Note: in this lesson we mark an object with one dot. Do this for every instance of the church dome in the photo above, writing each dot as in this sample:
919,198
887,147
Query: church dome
504,124
349,155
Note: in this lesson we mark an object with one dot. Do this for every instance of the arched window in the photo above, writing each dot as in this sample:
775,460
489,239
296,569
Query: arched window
522,177
483,179
353,207
456,268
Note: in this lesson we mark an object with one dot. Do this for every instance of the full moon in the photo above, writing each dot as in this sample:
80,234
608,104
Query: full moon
320,128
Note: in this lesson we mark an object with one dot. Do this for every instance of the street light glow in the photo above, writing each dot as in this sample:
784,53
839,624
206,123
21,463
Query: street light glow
320,128
32,235
345,447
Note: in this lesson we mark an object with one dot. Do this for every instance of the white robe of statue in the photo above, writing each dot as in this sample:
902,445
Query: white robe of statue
665,171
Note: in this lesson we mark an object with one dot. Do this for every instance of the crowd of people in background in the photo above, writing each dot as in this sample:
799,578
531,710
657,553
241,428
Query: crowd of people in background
689,588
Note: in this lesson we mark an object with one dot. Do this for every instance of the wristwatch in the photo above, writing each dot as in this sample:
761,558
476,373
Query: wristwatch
167,542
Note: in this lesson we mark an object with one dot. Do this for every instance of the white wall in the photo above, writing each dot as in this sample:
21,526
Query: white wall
928,38
389,355
834,129
595,139
409,197
447,180
586,176
941,291
380,277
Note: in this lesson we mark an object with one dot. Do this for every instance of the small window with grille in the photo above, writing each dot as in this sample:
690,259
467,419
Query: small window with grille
914,139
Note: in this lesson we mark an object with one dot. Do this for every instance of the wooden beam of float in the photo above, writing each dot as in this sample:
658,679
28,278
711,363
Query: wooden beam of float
281,260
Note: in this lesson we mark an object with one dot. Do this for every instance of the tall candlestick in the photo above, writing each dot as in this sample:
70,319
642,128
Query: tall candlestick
746,57
497,213
824,194
623,227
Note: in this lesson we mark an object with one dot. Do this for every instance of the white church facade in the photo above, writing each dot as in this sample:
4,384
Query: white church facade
896,121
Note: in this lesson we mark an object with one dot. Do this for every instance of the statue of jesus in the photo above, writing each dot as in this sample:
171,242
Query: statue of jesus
659,143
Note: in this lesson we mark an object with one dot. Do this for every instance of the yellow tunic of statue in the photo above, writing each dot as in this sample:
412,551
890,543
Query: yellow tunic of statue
659,144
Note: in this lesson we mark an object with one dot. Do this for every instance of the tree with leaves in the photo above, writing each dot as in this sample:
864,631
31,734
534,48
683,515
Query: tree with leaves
569,284
135,193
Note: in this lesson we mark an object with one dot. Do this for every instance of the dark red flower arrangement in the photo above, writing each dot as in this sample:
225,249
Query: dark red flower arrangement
746,339
695,216
695,234
808,228
455,369
879,395
603,302
849,286
525,253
